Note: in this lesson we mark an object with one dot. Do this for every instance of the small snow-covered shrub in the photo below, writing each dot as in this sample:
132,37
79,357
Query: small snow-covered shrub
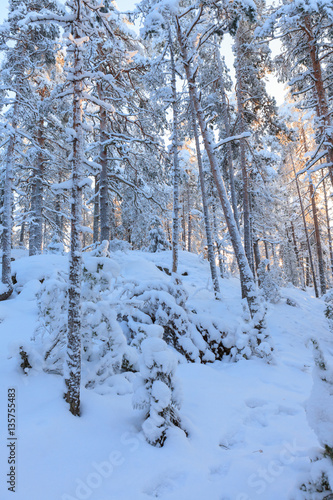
56,246
319,410
328,298
157,391
123,246
105,351
252,337
157,238
269,279
161,303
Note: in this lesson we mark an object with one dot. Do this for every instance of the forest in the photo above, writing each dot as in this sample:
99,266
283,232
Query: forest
166,296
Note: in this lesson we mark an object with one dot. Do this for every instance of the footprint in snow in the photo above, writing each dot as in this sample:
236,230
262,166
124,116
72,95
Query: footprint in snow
255,402
165,484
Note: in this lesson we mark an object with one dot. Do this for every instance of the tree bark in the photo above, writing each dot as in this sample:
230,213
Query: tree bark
226,122
176,169
321,264
96,211
328,223
305,228
322,109
243,162
103,179
73,375
246,277
210,247
8,210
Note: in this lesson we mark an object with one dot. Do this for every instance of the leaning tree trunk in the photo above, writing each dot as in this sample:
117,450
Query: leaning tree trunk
176,168
8,211
246,277
210,247
226,122
73,375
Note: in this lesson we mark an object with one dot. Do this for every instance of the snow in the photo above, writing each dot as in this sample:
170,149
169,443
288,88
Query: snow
248,433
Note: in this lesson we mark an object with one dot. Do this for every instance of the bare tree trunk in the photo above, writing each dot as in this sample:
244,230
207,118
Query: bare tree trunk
32,225
246,277
8,211
103,179
328,223
39,191
176,169
96,211
243,162
256,251
298,259
73,374
305,228
189,217
321,264
218,245
210,247
226,122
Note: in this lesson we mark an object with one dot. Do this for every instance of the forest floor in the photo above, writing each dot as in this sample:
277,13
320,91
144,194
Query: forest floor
248,436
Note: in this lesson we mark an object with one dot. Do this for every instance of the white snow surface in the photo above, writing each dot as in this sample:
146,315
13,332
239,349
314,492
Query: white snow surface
248,434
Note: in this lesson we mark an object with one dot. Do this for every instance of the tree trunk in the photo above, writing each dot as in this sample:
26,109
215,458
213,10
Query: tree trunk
189,216
243,162
305,228
96,211
321,264
176,169
322,109
328,223
73,375
8,211
218,245
246,277
226,122
103,179
210,247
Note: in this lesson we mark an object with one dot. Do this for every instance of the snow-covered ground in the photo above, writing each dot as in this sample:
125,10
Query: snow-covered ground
248,434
